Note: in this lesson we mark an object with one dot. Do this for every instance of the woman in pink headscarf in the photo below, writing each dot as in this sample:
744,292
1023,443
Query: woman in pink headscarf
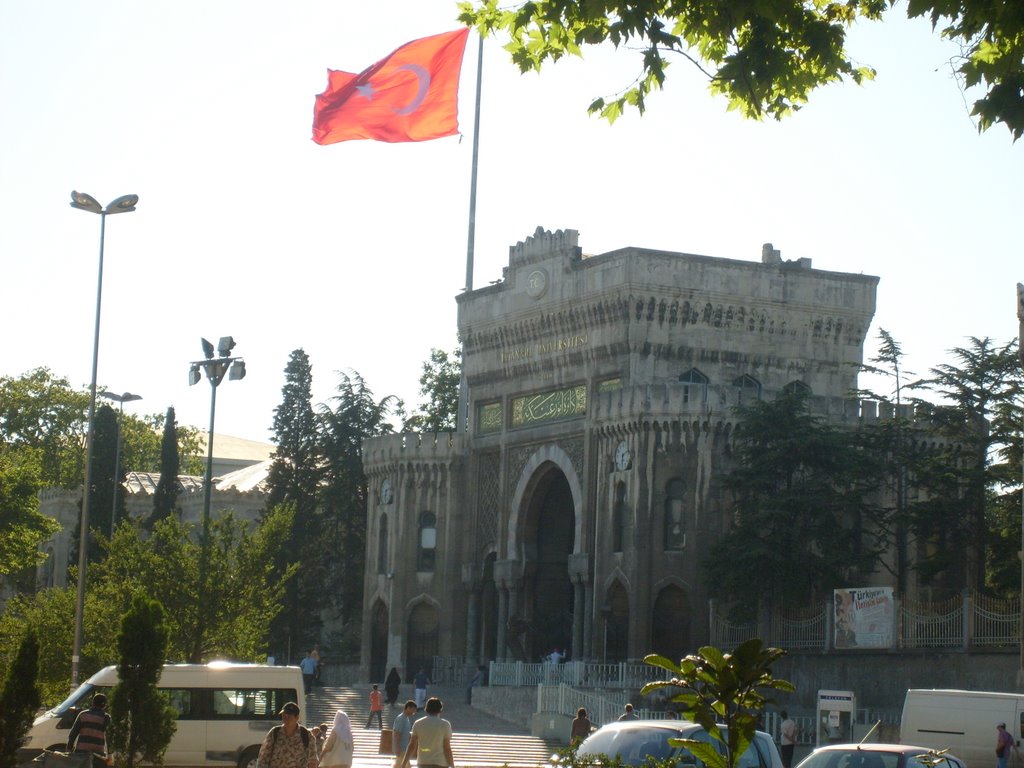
338,747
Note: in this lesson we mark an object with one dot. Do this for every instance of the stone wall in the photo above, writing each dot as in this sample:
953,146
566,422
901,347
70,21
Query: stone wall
516,705
880,680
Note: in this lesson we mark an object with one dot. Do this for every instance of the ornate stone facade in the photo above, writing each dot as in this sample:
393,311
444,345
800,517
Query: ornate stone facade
580,498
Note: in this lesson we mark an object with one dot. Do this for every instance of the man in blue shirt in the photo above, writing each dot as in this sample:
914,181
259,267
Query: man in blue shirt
402,730
308,667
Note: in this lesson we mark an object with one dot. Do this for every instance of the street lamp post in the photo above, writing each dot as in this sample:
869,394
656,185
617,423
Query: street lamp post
84,202
215,368
121,399
1020,352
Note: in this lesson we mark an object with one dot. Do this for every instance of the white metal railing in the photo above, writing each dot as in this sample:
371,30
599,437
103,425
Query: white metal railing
622,675
602,707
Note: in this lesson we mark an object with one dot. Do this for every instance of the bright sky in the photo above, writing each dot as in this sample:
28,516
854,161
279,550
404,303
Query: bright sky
355,251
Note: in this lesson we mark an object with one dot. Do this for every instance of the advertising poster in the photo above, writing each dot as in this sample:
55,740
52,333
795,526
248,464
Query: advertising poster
864,617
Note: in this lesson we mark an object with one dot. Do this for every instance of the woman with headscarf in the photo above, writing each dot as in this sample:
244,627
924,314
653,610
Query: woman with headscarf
391,685
338,747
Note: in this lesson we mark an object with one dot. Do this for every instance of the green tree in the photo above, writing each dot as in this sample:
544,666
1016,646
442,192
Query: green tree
142,720
893,437
101,492
970,463
165,498
439,385
764,56
22,528
721,690
800,490
19,700
294,478
41,411
354,417
50,614
245,590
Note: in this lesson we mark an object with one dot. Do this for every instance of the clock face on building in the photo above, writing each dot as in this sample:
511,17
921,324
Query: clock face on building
386,491
622,456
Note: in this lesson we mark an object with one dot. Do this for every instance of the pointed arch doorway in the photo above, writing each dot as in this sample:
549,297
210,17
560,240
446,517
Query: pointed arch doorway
548,540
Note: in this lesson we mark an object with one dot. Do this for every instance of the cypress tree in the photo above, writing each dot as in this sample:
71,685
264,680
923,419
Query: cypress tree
19,700
142,720
166,497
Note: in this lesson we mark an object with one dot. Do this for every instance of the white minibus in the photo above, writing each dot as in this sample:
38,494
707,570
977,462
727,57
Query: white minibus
224,711
964,722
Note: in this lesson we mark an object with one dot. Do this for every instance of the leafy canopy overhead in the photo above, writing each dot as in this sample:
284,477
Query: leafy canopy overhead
764,56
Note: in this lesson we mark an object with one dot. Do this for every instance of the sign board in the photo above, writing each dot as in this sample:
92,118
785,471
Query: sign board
865,617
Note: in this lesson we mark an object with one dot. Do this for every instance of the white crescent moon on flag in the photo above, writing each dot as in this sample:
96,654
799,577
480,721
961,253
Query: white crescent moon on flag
424,84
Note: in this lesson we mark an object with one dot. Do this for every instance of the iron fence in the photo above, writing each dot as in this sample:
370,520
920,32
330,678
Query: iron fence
970,621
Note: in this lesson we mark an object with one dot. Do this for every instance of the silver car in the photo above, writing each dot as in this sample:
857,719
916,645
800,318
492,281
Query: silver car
874,756
633,741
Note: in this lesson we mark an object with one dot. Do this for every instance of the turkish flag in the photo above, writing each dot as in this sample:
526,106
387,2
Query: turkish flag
410,95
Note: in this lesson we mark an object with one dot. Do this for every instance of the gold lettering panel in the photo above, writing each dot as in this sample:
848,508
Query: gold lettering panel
610,385
489,418
549,406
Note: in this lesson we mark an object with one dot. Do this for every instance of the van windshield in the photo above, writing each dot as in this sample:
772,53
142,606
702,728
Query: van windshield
81,694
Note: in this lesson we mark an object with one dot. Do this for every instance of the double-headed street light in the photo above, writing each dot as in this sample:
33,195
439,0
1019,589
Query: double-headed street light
84,202
215,368
121,399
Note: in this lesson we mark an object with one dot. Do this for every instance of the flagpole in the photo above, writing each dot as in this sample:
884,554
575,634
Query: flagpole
471,236
472,179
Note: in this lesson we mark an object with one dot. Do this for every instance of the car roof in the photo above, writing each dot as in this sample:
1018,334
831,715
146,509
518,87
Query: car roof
680,726
903,749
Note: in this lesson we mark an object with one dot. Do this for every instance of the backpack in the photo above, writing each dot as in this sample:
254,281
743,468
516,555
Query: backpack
276,730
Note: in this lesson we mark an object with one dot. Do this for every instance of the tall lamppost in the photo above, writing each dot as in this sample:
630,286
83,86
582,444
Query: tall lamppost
215,368
121,399
1020,352
84,202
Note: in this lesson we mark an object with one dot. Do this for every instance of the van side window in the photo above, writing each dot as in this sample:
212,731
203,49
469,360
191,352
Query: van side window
184,703
249,703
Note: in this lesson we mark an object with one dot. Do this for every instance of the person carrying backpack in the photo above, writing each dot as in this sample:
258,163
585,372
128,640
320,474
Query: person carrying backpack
289,745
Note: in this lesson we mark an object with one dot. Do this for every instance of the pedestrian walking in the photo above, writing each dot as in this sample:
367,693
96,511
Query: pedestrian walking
581,726
401,730
88,734
419,685
628,713
376,708
1004,743
338,748
308,667
787,738
431,742
288,745
391,686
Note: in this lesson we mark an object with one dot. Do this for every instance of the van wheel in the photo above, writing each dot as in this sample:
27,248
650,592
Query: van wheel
249,757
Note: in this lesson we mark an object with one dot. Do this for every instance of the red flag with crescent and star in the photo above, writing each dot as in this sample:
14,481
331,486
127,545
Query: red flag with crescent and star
410,95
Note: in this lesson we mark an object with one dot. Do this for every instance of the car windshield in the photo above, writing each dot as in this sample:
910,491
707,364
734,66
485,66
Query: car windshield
80,694
635,745
852,758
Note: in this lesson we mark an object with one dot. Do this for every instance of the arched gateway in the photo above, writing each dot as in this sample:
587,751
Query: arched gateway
574,505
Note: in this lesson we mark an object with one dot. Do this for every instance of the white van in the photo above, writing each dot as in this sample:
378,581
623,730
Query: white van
962,721
224,711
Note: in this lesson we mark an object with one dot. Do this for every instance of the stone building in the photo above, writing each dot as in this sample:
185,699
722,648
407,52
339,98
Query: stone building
578,502
240,470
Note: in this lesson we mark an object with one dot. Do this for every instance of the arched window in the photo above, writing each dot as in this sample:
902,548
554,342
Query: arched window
427,542
748,389
695,386
797,388
382,545
675,521
619,517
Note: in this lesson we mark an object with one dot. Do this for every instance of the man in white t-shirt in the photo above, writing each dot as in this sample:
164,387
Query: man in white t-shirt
431,742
